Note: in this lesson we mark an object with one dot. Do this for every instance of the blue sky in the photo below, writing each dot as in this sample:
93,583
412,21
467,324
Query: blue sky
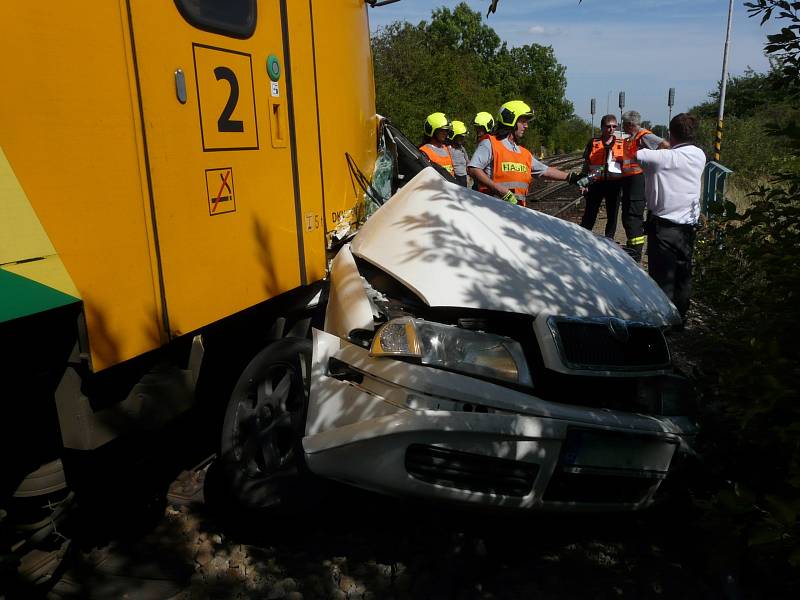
642,47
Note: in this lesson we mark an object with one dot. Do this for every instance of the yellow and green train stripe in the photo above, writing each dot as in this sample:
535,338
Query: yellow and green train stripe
32,276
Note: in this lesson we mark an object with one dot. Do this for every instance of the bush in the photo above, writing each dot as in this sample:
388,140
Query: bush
748,276
748,147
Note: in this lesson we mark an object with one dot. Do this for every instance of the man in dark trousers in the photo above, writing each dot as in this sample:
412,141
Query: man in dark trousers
672,183
603,158
633,198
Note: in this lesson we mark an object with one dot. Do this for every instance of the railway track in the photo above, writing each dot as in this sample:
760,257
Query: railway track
558,198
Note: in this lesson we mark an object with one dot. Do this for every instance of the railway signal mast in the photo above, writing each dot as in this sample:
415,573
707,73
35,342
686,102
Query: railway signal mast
723,83
670,104
592,111
621,105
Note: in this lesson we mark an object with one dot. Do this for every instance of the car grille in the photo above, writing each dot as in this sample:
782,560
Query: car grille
473,472
592,344
597,488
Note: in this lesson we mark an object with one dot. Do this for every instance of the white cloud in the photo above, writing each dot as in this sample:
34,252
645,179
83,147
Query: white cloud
545,31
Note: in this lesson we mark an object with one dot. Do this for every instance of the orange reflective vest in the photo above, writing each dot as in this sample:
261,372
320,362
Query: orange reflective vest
598,157
440,156
629,164
511,169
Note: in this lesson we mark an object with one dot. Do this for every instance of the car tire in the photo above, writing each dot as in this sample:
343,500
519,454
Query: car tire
261,458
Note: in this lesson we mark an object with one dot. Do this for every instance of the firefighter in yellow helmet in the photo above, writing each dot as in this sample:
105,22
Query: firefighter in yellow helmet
502,167
458,152
437,128
484,123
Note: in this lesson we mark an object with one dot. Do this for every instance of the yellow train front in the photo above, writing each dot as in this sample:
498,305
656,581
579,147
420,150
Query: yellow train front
166,169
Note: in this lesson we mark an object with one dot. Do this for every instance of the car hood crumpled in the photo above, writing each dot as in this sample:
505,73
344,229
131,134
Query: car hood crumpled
456,247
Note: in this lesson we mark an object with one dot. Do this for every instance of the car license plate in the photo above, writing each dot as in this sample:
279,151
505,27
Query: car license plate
613,450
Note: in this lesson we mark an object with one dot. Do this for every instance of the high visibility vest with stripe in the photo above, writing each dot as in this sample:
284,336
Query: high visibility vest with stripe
511,169
629,164
598,159
440,156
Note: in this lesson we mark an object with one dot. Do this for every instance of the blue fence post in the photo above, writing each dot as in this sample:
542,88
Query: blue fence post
714,179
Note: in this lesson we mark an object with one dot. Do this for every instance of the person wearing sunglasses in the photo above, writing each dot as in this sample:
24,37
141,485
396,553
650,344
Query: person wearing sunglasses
603,158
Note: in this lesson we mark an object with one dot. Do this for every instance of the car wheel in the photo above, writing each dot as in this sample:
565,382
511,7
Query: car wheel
261,451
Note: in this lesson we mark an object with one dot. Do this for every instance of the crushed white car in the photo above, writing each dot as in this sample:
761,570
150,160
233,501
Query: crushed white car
487,354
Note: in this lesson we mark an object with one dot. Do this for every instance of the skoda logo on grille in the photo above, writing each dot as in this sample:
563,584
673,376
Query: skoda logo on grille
619,329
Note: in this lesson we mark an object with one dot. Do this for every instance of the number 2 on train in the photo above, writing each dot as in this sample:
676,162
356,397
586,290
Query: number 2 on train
226,99
224,123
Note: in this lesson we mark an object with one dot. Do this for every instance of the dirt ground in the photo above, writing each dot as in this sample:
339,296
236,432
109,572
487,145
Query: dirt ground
619,237
347,544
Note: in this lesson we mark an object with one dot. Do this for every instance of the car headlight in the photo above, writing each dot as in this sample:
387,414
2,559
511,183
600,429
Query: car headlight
452,348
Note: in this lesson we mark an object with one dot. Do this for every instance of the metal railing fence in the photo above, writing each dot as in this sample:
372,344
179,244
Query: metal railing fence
714,180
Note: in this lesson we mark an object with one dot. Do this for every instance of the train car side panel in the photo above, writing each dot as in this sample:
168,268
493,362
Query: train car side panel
306,128
344,84
68,130
220,163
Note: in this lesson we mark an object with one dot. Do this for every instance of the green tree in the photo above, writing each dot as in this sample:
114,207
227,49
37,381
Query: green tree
570,135
782,47
756,104
413,81
747,95
661,131
457,64
543,82
464,30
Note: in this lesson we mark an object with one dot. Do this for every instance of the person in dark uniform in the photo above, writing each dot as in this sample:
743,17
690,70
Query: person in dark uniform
633,200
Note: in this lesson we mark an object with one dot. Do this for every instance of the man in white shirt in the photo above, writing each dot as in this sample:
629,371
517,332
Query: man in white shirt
672,189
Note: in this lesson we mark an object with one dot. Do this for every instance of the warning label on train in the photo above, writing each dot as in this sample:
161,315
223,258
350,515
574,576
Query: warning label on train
220,191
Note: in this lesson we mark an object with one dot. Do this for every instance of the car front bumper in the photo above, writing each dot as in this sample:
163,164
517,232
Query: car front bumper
405,429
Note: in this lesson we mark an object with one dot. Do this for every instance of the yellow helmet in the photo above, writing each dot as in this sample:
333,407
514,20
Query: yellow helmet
458,129
485,120
436,121
511,111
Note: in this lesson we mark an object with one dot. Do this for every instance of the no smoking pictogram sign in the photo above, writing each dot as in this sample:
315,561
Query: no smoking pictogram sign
220,191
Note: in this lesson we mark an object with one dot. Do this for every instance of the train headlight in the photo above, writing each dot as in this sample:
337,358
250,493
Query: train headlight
453,348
